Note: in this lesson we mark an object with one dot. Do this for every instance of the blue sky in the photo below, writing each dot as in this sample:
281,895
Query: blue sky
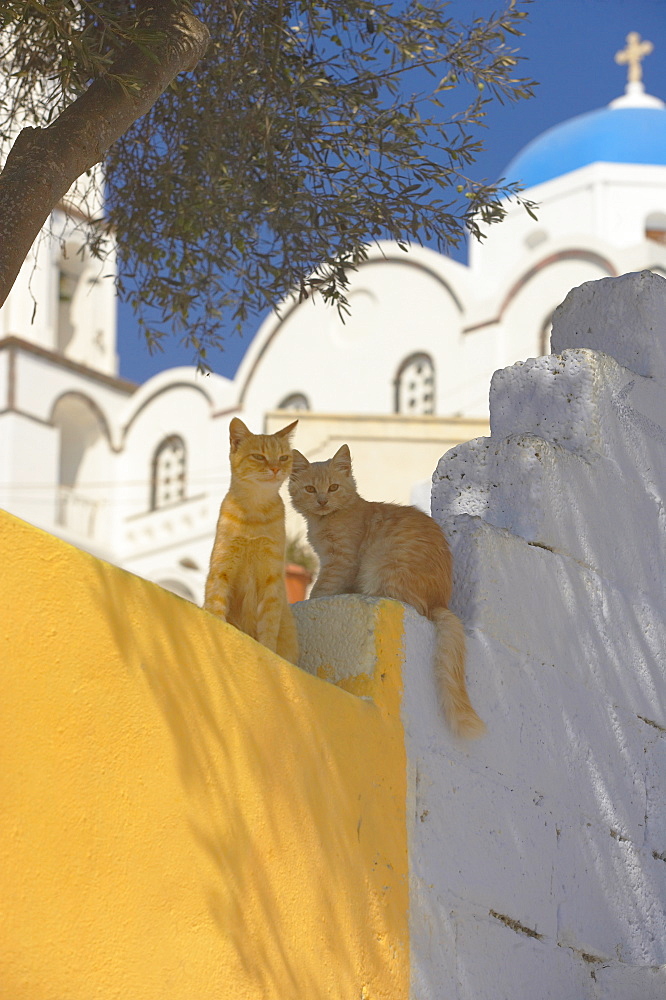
569,47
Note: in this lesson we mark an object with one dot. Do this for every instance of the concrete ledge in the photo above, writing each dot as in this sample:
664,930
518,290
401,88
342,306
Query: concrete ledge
338,639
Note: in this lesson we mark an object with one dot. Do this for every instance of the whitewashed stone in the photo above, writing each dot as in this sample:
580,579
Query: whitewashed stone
629,982
585,402
565,743
496,962
527,597
624,317
433,944
484,842
558,532
550,496
610,896
655,812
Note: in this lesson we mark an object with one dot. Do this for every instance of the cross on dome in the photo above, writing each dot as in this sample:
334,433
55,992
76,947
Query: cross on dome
633,56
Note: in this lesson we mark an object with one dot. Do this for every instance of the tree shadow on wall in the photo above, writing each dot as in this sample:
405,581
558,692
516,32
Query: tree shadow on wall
264,773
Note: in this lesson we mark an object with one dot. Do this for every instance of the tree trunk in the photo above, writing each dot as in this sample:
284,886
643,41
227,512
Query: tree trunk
44,163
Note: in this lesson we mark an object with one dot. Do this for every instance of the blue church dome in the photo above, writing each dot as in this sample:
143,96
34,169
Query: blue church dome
611,135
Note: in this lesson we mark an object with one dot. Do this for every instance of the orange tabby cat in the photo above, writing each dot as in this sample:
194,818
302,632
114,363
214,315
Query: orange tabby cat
245,584
385,550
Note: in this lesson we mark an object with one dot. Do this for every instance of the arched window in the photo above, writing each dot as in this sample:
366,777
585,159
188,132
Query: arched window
168,477
415,385
83,459
295,401
655,227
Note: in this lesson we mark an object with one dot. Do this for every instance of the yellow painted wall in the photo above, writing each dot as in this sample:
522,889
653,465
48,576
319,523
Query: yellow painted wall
183,814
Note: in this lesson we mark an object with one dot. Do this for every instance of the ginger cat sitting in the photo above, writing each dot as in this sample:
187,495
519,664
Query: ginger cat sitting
385,550
245,584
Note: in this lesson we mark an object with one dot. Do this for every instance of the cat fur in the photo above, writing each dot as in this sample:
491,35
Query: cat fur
245,584
385,550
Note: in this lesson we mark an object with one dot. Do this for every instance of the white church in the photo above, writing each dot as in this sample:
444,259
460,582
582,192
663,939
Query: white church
135,473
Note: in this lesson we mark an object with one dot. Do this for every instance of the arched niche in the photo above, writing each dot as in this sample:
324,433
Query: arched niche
415,385
168,473
84,462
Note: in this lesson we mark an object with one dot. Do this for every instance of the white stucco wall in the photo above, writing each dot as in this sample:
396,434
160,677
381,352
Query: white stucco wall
537,853
29,453
5,395
401,304
34,284
609,202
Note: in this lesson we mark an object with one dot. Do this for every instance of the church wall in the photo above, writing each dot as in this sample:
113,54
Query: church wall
220,391
397,310
39,308
570,204
171,544
183,411
529,311
173,541
55,382
90,313
5,378
86,469
186,814
481,347
84,303
71,414
565,207
604,203
28,310
628,194
28,468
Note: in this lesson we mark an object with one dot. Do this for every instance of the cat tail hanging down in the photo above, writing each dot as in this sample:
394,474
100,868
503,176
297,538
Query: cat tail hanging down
450,675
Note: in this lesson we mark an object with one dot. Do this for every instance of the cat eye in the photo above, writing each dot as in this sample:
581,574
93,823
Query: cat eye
333,487
285,458
260,458
310,489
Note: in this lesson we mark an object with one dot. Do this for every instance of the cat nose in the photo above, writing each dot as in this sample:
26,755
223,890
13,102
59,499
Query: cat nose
322,501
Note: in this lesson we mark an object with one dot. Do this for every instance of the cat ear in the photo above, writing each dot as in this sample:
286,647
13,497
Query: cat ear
342,459
237,433
300,461
286,431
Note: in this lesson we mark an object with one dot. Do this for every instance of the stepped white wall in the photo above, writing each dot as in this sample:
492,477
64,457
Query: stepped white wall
538,854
